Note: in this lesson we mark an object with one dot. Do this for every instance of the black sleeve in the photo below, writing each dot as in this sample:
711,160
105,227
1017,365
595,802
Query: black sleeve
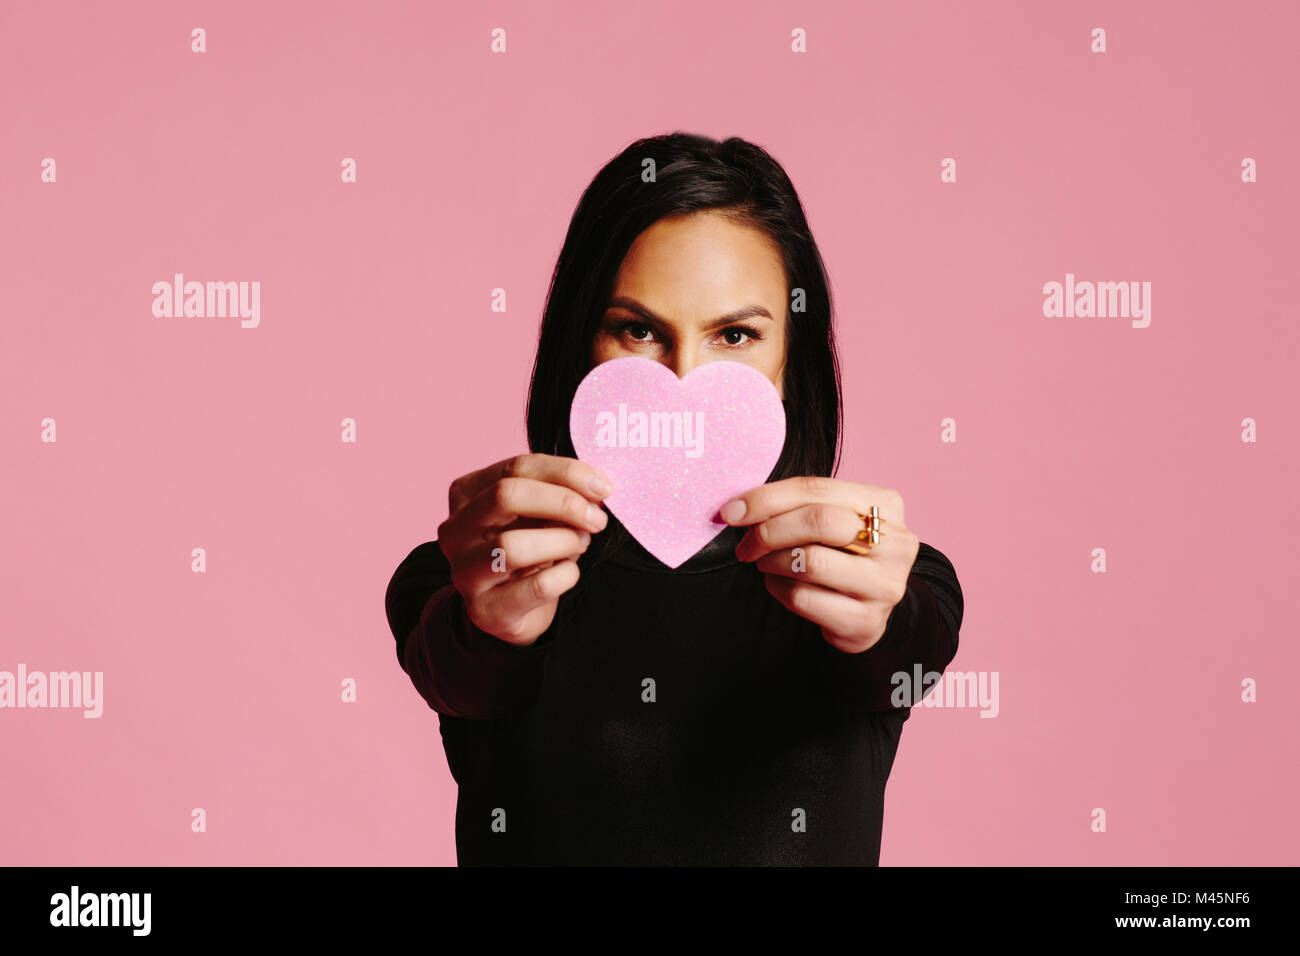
458,669
922,629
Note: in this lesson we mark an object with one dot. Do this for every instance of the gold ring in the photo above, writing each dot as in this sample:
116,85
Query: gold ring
870,532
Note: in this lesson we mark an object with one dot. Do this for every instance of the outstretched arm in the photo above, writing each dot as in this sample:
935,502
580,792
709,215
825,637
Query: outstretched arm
922,629
458,669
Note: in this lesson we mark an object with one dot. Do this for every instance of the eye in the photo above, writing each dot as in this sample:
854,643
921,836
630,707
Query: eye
633,331
736,336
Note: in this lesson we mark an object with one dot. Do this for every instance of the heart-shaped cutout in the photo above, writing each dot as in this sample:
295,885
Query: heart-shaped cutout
676,449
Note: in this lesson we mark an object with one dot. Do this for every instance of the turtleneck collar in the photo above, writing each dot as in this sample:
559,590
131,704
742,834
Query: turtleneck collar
618,547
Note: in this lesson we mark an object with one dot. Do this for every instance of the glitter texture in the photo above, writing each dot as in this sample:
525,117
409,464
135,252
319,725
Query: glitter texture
666,498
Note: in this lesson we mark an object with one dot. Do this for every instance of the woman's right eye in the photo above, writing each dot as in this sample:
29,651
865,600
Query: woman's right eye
636,331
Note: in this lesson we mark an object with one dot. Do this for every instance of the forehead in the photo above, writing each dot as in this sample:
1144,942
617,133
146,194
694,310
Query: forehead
701,265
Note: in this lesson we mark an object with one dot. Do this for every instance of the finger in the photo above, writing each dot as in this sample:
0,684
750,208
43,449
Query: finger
834,525
859,576
586,480
837,613
517,550
504,501
512,553
765,501
500,610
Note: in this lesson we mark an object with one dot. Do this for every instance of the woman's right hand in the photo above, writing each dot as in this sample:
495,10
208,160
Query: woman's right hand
513,535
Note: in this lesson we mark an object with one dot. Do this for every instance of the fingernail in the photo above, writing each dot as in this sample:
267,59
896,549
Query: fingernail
585,538
600,487
595,517
733,510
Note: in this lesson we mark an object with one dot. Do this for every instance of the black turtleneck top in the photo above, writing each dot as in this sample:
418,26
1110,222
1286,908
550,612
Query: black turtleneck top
667,717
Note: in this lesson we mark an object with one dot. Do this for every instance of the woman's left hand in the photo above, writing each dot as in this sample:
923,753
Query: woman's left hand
798,527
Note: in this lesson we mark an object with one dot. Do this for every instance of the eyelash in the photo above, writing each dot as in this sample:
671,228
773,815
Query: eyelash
622,328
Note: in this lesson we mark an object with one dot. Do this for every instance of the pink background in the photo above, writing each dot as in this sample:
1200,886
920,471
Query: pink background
222,690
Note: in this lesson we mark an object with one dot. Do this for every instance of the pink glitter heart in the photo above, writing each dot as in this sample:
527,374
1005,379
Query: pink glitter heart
676,449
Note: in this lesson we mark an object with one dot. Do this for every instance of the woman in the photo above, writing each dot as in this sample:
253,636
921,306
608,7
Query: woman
595,706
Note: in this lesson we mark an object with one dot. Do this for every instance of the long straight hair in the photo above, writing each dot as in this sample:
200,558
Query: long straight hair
690,174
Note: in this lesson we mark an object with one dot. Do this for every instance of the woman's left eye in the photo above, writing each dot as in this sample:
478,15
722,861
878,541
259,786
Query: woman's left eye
735,335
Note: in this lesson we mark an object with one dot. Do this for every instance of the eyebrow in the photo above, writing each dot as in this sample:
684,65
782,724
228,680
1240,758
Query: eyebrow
635,307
